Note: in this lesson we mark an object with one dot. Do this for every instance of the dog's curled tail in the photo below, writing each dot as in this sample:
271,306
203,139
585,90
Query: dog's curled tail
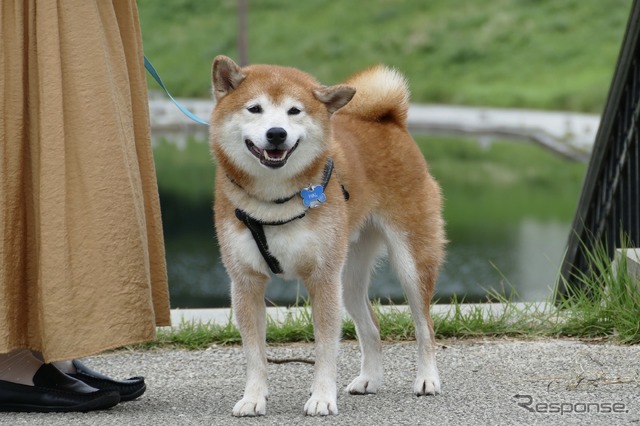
382,95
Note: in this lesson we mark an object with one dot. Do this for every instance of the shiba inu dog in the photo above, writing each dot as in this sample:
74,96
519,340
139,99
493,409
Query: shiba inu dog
318,182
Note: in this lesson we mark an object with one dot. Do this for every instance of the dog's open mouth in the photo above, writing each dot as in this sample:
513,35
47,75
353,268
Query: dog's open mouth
274,158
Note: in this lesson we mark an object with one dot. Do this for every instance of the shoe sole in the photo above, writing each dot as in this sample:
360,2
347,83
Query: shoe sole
101,403
133,395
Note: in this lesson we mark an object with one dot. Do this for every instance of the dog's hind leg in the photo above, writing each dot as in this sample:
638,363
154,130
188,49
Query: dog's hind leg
357,274
415,255
247,295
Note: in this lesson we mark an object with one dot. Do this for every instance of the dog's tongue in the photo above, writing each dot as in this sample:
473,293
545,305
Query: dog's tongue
274,154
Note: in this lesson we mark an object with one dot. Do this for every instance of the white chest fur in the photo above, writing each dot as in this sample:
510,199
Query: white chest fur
292,244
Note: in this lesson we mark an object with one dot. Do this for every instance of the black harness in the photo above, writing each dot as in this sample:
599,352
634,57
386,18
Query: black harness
256,226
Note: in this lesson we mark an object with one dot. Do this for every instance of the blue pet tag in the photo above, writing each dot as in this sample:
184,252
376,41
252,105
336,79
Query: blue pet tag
313,196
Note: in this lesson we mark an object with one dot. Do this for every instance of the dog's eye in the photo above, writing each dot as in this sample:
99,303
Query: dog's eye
255,109
293,111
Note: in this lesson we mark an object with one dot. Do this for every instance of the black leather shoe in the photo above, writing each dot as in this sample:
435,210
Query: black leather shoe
128,389
54,391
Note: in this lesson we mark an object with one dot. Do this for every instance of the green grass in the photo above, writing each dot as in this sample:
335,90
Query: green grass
603,304
512,53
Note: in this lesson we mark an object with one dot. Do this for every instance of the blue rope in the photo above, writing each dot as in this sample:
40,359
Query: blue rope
181,107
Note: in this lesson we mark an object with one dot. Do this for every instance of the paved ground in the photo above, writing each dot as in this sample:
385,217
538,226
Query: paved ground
556,380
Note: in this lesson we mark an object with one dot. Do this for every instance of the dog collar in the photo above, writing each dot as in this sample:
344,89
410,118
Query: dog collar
312,195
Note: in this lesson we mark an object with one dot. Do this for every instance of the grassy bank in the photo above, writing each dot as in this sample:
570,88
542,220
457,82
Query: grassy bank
604,306
512,53
485,187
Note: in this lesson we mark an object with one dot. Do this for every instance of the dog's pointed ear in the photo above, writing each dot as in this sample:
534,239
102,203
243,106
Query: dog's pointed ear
334,97
226,76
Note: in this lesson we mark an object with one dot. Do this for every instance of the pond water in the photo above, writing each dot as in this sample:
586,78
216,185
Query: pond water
507,208
524,257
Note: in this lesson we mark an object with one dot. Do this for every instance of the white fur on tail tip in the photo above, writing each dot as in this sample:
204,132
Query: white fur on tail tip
379,89
382,80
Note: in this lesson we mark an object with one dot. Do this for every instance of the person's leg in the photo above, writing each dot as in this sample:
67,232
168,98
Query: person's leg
19,366
66,367
78,173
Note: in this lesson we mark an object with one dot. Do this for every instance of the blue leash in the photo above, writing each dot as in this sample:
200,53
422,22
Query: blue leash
181,107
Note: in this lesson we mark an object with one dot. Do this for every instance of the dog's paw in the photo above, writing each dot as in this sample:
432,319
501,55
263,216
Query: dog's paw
320,407
363,385
250,407
427,385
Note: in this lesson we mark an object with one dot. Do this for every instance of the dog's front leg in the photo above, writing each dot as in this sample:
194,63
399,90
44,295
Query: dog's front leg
326,304
250,314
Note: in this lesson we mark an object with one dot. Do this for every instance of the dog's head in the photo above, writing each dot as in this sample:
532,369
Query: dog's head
270,117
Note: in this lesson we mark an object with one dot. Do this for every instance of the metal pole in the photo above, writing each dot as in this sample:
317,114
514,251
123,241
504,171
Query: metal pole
243,55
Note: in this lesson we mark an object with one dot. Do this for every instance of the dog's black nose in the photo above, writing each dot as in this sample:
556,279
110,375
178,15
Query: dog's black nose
276,135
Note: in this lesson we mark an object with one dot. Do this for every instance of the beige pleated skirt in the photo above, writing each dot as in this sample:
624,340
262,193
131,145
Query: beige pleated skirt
82,266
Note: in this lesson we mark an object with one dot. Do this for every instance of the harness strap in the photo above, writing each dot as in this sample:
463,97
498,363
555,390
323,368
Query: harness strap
257,232
256,227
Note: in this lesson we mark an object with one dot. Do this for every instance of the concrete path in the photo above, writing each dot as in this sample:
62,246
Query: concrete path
484,382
